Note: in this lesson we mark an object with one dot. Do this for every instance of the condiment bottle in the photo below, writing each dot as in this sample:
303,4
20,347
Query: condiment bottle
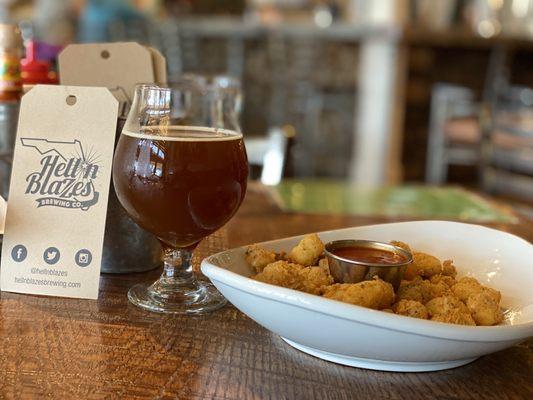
36,71
10,54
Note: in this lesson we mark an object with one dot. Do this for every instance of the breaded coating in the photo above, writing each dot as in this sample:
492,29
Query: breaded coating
410,308
444,305
258,257
376,294
308,251
448,280
455,317
440,289
411,272
467,286
401,245
314,280
293,276
484,309
417,278
388,310
495,294
280,273
324,264
449,269
421,290
417,289
426,264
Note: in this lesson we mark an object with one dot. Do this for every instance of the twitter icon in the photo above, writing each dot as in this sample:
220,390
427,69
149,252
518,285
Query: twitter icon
51,255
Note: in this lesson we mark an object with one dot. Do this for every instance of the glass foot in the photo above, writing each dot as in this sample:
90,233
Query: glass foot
200,299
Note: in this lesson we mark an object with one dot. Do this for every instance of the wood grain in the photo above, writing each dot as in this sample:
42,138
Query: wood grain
107,349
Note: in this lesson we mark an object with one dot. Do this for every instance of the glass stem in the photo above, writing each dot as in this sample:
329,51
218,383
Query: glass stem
177,267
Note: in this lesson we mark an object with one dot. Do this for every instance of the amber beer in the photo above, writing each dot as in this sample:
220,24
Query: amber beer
181,184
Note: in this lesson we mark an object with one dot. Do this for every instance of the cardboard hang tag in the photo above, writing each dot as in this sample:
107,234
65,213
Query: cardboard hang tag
117,66
160,65
55,221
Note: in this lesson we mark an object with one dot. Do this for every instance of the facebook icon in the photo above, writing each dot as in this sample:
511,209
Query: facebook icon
19,253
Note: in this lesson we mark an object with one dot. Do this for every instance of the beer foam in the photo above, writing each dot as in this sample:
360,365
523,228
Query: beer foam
184,134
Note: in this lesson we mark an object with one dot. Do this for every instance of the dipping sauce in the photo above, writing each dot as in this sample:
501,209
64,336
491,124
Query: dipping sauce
369,255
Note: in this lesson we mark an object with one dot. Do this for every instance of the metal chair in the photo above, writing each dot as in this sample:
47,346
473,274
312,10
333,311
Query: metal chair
310,90
454,131
507,163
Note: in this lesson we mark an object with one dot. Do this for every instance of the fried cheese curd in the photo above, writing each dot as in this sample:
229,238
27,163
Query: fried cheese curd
454,317
429,290
446,279
448,269
418,290
445,304
308,251
258,257
314,280
311,280
401,245
280,273
376,294
468,286
410,308
484,309
424,265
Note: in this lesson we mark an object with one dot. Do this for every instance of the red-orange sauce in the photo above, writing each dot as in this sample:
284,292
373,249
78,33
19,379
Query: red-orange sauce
368,255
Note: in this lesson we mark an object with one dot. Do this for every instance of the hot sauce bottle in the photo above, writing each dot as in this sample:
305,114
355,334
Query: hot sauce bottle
10,55
35,71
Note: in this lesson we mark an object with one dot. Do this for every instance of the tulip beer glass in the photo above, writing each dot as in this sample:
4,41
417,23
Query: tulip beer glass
180,177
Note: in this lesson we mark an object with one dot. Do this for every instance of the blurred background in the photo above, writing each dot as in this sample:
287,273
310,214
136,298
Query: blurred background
371,92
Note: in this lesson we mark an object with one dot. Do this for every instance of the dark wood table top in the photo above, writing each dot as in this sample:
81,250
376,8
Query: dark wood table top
81,349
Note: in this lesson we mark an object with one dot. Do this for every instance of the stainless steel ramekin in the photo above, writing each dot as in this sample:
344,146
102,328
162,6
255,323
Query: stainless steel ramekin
345,270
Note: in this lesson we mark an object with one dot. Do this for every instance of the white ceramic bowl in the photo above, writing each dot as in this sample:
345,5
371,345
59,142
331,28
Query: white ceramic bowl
366,338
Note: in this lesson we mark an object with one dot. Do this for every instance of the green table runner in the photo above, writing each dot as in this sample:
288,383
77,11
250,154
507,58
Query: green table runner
331,197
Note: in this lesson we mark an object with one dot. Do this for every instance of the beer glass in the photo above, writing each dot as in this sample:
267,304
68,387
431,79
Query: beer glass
181,176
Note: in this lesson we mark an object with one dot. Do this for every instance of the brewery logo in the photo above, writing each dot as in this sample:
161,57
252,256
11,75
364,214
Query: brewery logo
66,175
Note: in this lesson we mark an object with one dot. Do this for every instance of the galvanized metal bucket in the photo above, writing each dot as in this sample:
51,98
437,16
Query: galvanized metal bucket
9,112
127,247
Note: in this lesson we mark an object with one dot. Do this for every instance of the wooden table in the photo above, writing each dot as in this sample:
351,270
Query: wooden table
79,349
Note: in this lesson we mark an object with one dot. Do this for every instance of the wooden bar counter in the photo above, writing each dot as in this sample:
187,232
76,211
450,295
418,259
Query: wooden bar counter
53,348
